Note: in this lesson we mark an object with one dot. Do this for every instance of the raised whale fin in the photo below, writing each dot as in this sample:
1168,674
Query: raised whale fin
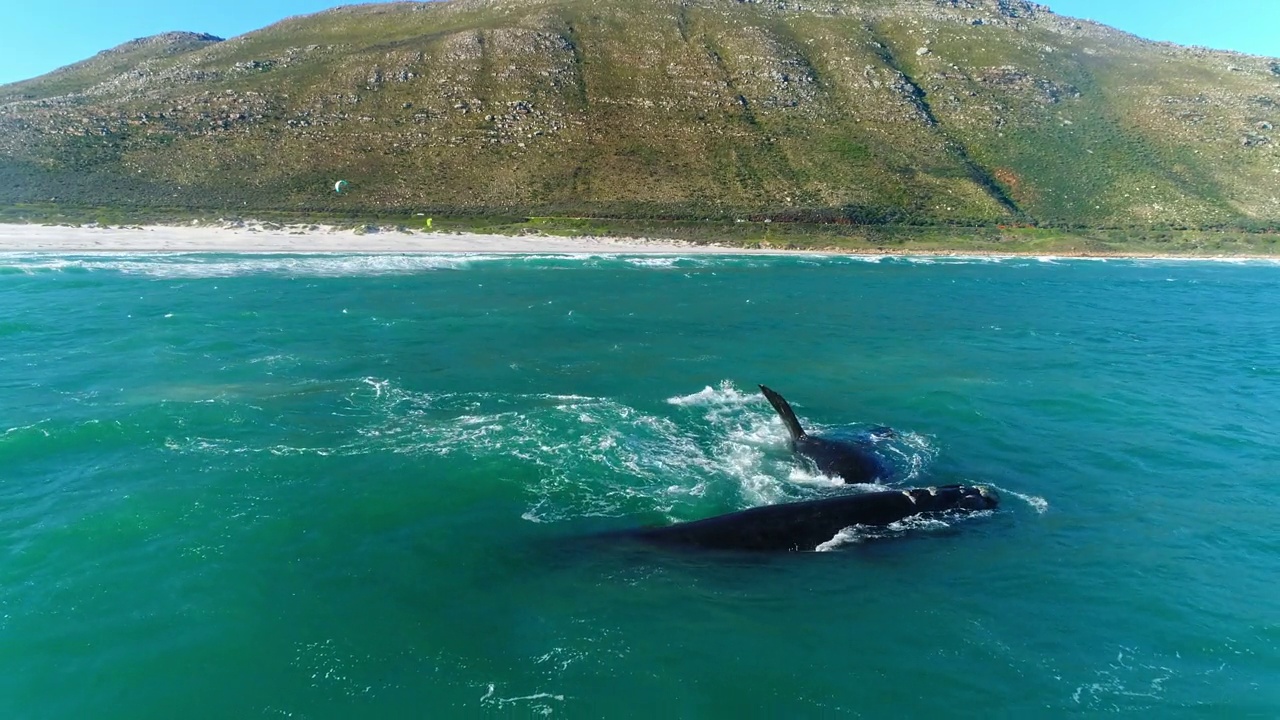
785,412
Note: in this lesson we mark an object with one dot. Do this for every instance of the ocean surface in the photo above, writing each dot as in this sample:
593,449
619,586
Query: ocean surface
367,486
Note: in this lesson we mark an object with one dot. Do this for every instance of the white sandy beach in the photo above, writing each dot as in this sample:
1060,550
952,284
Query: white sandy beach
258,237
254,238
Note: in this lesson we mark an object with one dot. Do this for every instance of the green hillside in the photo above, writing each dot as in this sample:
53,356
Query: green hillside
935,111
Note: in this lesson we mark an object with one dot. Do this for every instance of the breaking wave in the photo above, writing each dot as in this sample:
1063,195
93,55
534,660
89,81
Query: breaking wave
219,265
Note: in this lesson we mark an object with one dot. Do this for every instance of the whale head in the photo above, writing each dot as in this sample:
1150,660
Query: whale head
977,497
955,497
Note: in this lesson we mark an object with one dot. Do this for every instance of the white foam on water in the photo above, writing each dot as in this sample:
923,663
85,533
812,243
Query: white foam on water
729,450
333,669
1222,260
377,385
723,395
169,264
207,265
660,261
745,431
754,445
584,456
537,701
911,452
532,515
801,475
1037,503
571,257
1127,678
275,360
321,264
22,428
596,456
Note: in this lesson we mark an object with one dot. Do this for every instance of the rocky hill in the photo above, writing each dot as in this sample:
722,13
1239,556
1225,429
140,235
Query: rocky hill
948,111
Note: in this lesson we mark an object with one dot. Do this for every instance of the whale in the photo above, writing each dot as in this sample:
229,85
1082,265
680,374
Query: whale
804,525
849,460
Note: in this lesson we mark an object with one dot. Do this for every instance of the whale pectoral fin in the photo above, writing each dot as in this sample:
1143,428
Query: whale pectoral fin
785,412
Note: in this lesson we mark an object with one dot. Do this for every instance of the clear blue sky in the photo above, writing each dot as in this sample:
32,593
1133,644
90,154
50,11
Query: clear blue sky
1250,26
37,36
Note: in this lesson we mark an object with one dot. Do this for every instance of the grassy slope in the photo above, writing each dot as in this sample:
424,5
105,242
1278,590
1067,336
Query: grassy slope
660,108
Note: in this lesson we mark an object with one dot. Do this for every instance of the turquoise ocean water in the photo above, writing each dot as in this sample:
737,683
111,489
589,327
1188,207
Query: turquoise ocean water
350,486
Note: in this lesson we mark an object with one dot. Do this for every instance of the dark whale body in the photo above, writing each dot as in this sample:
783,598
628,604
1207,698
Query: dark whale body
802,526
852,461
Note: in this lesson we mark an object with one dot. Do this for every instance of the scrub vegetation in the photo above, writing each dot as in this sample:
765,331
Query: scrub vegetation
835,123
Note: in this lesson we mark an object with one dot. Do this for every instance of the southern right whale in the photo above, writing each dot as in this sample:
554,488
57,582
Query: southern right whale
801,526
850,460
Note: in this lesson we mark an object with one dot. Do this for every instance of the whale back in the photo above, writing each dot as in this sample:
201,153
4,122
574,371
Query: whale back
802,526
850,460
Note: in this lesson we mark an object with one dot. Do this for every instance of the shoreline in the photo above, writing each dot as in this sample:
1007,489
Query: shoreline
268,238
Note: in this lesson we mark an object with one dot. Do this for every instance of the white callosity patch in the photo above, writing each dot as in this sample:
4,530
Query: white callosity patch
915,524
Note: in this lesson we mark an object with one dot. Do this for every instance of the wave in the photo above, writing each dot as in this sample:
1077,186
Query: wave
537,701
1037,503
211,265
217,265
660,261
